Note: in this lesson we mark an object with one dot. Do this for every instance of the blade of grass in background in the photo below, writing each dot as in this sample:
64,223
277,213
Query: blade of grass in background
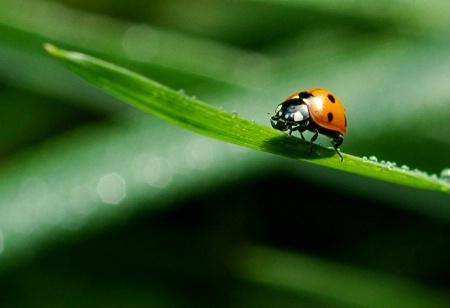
432,14
141,44
322,279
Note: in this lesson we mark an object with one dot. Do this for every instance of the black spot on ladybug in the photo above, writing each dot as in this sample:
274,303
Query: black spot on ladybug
302,95
330,117
345,121
331,98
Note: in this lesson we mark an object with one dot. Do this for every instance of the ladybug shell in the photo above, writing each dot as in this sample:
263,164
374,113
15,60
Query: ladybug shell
325,109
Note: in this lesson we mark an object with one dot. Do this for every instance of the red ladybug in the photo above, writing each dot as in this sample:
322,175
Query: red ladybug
316,110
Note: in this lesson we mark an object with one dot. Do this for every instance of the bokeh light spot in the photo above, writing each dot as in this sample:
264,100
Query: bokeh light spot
111,188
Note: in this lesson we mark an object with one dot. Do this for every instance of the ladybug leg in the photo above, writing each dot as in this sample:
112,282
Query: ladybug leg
301,134
290,131
314,138
337,142
298,128
295,128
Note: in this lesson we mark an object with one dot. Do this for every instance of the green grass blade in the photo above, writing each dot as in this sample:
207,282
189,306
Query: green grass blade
202,118
338,283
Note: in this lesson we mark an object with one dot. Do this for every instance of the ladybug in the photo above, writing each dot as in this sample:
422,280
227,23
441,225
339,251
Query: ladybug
316,110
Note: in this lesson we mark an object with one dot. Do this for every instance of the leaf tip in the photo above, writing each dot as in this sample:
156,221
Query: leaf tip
51,49
54,51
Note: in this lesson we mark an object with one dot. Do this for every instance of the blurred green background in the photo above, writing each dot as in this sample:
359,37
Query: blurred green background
103,205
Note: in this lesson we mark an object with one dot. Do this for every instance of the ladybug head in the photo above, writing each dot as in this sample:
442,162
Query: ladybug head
279,123
290,113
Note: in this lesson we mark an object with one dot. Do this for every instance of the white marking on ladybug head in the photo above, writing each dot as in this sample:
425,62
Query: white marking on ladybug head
298,116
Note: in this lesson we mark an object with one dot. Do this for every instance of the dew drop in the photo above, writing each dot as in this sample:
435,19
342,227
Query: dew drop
404,168
445,175
373,158
182,92
364,158
419,172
